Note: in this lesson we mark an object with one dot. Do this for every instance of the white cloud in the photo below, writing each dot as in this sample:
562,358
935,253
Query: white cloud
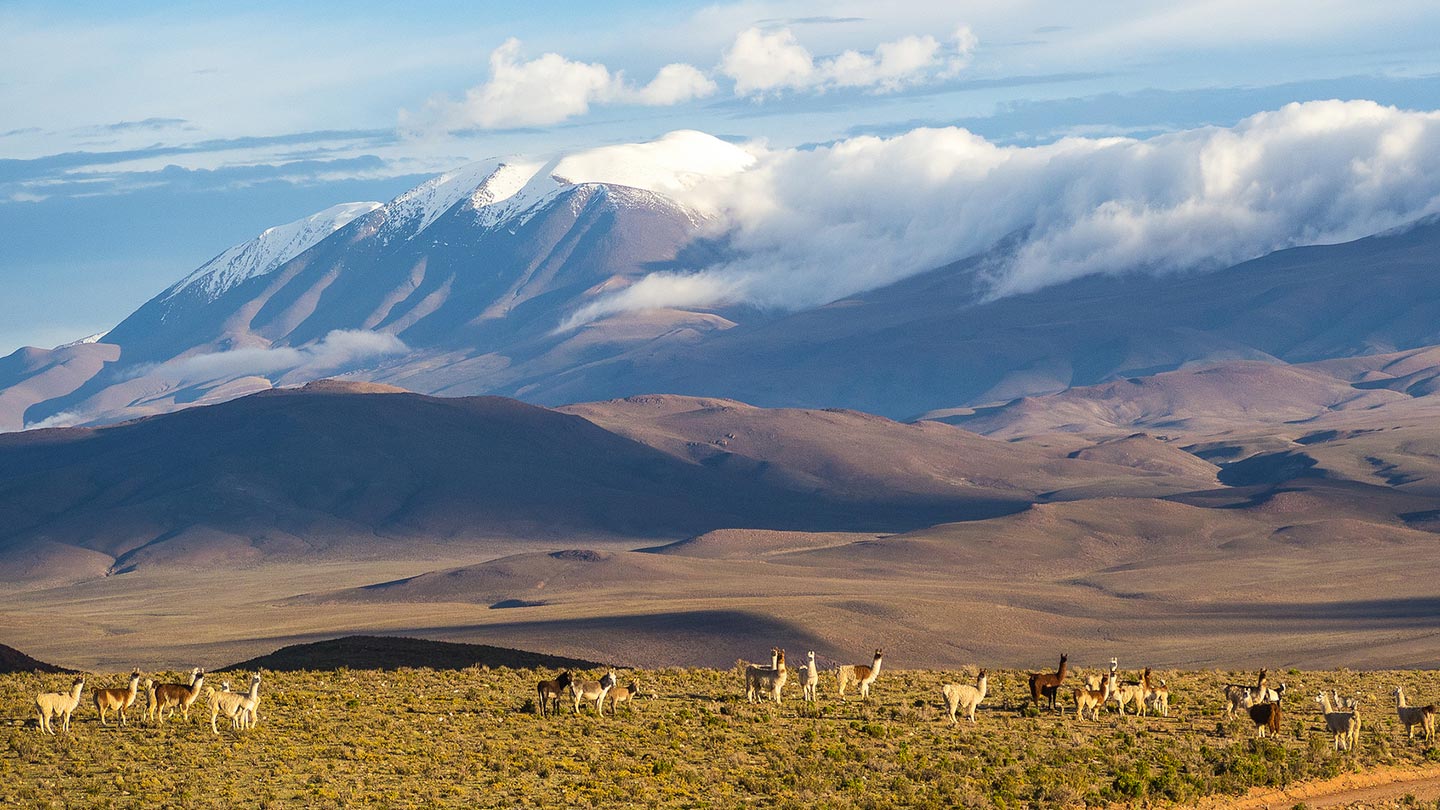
337,351
768,62
815,225
674,84
552,88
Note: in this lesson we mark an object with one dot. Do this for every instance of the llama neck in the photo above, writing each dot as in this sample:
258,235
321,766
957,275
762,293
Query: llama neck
875,667
981,684
134,689
1060,673
254,689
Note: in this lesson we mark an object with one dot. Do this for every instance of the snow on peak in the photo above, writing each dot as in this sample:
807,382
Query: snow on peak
268,251
95,338
412,212
670,165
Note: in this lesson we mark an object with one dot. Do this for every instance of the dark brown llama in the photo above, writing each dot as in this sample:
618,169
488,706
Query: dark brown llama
1047,684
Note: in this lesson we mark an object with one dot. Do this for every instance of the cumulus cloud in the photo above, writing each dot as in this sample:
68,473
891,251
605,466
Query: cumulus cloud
811,226
339,350
552,88
765,62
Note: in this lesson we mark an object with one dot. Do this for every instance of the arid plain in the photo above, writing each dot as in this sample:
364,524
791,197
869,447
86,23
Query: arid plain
1175,526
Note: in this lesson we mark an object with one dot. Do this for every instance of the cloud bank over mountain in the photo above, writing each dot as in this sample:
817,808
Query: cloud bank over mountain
812,225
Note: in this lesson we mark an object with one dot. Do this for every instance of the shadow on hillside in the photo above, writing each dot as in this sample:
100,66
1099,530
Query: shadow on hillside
394,652
711,638
1381,613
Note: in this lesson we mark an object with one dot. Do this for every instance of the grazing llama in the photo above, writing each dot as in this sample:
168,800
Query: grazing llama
860,674
622,694
58,704
173,695
766,680
1345,726
1266,717
117,700
546,691
584,691
231,704
1412,716
963,696
810,679
1047,684
1240,696
1093,699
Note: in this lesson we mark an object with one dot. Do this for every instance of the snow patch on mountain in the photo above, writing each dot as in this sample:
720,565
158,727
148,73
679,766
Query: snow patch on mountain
412,212
269,250
95,338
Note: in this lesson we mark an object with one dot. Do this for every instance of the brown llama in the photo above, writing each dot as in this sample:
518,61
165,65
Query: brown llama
117,700
1266,717
1047,684
547,691
174,696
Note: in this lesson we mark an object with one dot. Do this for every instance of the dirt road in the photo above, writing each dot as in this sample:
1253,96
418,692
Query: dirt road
1380,788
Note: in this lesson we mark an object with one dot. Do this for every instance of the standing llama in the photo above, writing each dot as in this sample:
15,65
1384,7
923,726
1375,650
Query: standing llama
173,695
860,674
58,704
1412,716
1241,696
1266,717
963,696
760,681
810,679
1343,725
1047,684
117,700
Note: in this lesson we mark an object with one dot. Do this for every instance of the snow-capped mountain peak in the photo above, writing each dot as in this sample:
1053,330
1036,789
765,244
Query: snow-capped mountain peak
269,250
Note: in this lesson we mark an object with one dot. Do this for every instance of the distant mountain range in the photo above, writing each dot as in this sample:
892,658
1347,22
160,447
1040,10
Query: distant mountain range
463,285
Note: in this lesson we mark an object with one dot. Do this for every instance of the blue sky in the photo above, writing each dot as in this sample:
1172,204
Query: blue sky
135,145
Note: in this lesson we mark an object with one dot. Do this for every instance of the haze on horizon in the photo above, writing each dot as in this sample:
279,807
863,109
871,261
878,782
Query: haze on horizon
139,145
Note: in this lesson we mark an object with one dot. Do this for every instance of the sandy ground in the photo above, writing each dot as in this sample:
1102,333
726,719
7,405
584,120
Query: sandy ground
1380,787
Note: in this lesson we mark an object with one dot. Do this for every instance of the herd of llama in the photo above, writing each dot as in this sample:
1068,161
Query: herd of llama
1050,690
240,708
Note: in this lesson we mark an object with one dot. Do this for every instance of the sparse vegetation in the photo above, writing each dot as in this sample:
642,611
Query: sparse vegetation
466,738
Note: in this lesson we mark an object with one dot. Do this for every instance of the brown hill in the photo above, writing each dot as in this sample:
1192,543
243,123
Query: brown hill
299,472
31,376
1219,398
866,457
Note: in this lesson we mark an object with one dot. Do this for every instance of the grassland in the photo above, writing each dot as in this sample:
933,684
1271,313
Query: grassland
466,738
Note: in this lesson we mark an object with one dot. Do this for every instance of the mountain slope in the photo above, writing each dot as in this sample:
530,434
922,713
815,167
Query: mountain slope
935,340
